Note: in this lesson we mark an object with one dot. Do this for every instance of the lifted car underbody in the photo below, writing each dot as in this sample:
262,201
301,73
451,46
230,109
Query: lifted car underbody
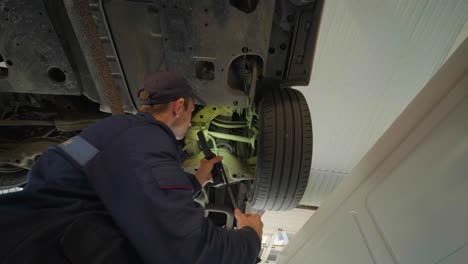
67,64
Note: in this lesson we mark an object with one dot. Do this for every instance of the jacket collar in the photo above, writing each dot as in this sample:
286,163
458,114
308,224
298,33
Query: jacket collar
150,119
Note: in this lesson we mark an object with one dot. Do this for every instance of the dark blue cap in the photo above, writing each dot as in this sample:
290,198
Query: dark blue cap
164,87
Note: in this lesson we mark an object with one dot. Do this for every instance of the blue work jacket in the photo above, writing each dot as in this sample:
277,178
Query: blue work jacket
132,171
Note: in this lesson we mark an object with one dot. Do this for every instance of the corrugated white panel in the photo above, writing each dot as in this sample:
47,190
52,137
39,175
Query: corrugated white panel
321,184
461,36
372,58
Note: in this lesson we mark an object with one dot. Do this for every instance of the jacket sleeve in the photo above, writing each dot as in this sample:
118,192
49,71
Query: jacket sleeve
150,198
195,184
198,236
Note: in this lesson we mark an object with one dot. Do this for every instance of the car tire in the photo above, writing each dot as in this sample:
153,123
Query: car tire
13,179
284,150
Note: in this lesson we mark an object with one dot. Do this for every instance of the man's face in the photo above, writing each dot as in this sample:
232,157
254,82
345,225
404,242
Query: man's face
182,122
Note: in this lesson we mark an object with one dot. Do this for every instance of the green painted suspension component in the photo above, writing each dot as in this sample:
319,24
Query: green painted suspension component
201,121
248,140
208,113
236,169
229,124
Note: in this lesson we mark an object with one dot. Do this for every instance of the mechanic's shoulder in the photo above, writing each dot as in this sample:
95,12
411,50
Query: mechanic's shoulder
106,129
150,132
144,129
149,125
114,124
115,121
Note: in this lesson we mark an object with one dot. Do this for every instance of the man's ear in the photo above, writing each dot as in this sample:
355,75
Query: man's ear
179,106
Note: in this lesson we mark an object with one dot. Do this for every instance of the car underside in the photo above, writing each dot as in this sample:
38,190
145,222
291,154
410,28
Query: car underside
67,64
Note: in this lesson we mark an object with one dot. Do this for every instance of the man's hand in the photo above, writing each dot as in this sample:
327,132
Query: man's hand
203,174
252,220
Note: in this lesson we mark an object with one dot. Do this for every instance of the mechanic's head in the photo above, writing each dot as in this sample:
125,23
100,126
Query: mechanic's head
169,98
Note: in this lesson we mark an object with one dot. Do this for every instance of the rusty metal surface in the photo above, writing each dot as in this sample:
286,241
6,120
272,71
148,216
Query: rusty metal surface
110,92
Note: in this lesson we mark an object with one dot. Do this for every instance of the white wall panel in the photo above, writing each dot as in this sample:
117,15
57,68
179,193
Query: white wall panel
372,58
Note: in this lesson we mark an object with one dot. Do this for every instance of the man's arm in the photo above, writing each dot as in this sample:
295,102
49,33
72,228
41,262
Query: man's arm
203,175
198,238
150,199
